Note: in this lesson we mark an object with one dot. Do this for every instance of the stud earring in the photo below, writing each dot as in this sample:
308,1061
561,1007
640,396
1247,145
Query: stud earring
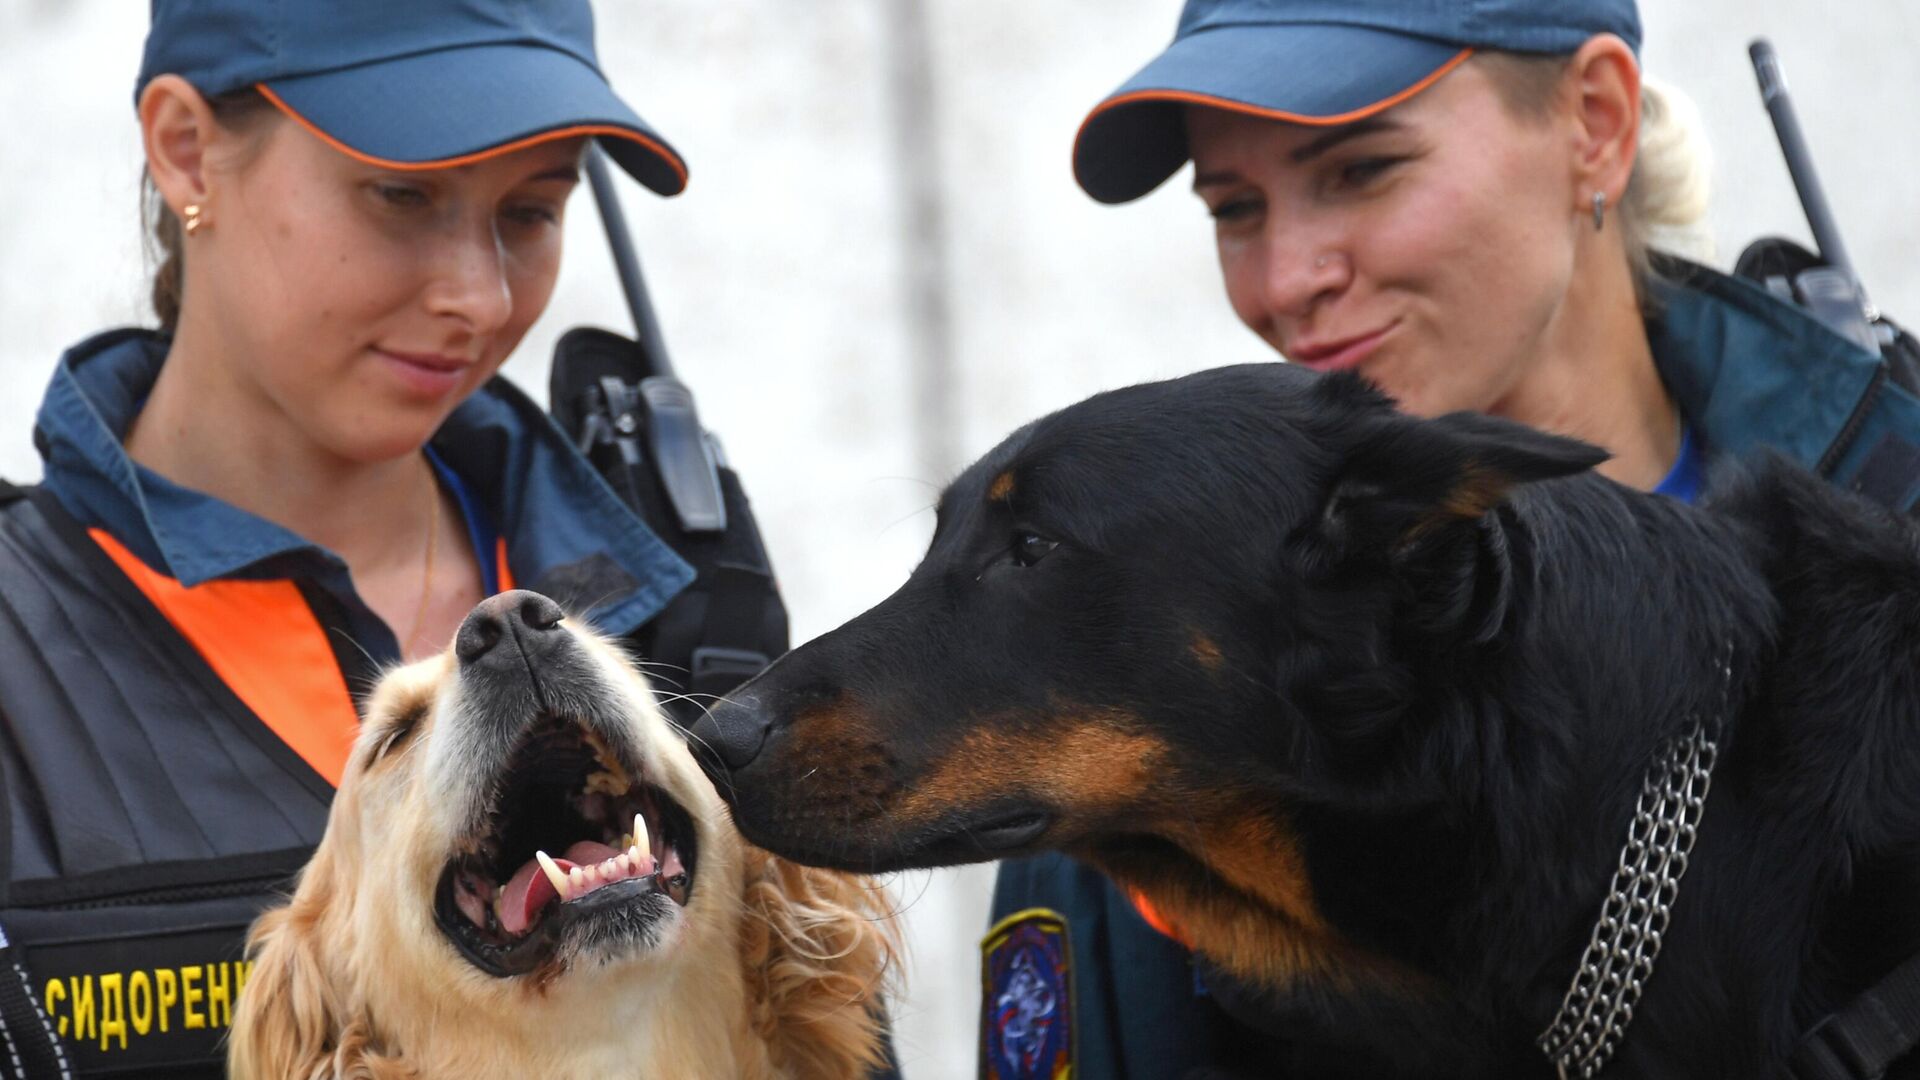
1599,210
1320,263
193,220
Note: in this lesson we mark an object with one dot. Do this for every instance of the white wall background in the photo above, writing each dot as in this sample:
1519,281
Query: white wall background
778,275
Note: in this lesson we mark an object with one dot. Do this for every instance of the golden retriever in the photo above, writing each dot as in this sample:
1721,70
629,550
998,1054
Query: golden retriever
525,874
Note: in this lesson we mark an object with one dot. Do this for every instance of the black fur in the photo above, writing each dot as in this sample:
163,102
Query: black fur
1440,654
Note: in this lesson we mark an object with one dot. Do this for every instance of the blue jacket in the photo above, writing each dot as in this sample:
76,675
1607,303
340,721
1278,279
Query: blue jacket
1070,966
162,645
520,480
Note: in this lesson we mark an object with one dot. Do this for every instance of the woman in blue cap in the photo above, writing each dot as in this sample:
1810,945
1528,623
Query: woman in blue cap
1460,202
307,474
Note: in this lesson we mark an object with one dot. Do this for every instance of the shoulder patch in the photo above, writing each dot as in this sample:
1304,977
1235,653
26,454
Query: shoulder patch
1026,1020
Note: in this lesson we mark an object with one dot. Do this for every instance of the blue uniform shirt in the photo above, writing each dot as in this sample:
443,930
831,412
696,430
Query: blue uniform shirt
514,474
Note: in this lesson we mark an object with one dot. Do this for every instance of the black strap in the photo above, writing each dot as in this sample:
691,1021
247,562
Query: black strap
29,1049
1890,473
731,649
1860,1041
1850,431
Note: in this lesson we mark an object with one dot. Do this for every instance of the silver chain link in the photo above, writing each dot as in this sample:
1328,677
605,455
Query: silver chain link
1633,920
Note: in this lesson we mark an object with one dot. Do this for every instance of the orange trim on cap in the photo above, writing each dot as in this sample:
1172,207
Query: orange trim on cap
1167,927
668,156
1191,98
264,642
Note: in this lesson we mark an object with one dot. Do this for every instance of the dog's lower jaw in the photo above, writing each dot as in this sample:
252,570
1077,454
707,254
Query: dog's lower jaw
690,1024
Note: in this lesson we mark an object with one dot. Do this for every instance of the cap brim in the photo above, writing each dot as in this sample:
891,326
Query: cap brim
1303,73
460,105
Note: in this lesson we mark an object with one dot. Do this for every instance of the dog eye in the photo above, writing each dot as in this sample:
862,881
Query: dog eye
1030,548
398,731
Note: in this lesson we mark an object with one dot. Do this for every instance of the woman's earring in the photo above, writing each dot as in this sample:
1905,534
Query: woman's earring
1599,210
1320,263
192,214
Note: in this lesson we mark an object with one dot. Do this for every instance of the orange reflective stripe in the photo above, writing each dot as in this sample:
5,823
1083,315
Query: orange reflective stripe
264,642
673,160
1153,917
505,575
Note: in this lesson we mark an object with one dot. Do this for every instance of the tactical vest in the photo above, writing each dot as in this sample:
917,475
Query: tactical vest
150,816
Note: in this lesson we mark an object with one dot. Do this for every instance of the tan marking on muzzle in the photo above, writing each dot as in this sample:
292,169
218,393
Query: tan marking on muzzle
1084,764
836,747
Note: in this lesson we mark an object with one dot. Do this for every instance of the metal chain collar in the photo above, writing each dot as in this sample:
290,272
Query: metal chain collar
1633,921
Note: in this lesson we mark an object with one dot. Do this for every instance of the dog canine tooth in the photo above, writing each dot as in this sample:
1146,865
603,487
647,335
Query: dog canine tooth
640,839
554,874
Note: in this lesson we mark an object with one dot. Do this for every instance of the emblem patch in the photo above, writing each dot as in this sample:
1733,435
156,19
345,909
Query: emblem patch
1027,1021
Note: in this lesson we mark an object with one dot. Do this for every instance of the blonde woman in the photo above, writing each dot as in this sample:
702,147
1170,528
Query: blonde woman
1462,202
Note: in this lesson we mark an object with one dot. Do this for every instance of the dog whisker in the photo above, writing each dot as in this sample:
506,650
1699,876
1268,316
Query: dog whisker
903,519
726,779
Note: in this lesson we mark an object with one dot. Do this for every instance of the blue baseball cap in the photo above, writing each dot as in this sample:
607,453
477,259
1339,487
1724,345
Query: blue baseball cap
413,84
1322,62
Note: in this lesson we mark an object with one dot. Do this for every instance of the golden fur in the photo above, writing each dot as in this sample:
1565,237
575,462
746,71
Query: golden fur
773,970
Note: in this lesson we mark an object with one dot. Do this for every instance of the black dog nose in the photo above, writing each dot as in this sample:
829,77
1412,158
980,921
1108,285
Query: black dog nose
732,732
527,617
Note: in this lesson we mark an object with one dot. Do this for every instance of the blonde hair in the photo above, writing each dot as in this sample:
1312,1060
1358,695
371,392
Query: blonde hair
1665,206
1672,177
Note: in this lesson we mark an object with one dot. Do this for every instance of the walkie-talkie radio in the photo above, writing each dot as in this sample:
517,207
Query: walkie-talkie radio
1823,281
626,409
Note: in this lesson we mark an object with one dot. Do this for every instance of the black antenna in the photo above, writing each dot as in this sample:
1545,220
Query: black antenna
1833,293
655,405
645,323
1793,144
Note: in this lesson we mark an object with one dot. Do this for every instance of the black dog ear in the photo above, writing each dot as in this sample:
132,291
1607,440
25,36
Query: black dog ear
1405,479
1417,495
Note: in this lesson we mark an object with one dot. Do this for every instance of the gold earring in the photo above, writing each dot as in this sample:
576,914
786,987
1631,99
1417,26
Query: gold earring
193,222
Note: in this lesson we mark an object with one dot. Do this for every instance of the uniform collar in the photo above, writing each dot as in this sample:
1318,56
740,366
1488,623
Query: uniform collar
565,530
1749,370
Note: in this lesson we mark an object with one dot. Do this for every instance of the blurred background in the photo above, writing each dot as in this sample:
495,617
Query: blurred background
882,264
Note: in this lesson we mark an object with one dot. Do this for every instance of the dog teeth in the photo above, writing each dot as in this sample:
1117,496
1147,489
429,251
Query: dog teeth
640,841
561,884
577,877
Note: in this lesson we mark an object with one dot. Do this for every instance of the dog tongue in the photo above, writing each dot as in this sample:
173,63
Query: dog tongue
586,853
529,890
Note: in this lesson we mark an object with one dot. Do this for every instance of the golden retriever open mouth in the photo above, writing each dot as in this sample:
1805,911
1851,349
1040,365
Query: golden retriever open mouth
576,843
525,873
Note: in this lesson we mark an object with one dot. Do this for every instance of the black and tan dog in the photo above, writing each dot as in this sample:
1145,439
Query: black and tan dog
1363,705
